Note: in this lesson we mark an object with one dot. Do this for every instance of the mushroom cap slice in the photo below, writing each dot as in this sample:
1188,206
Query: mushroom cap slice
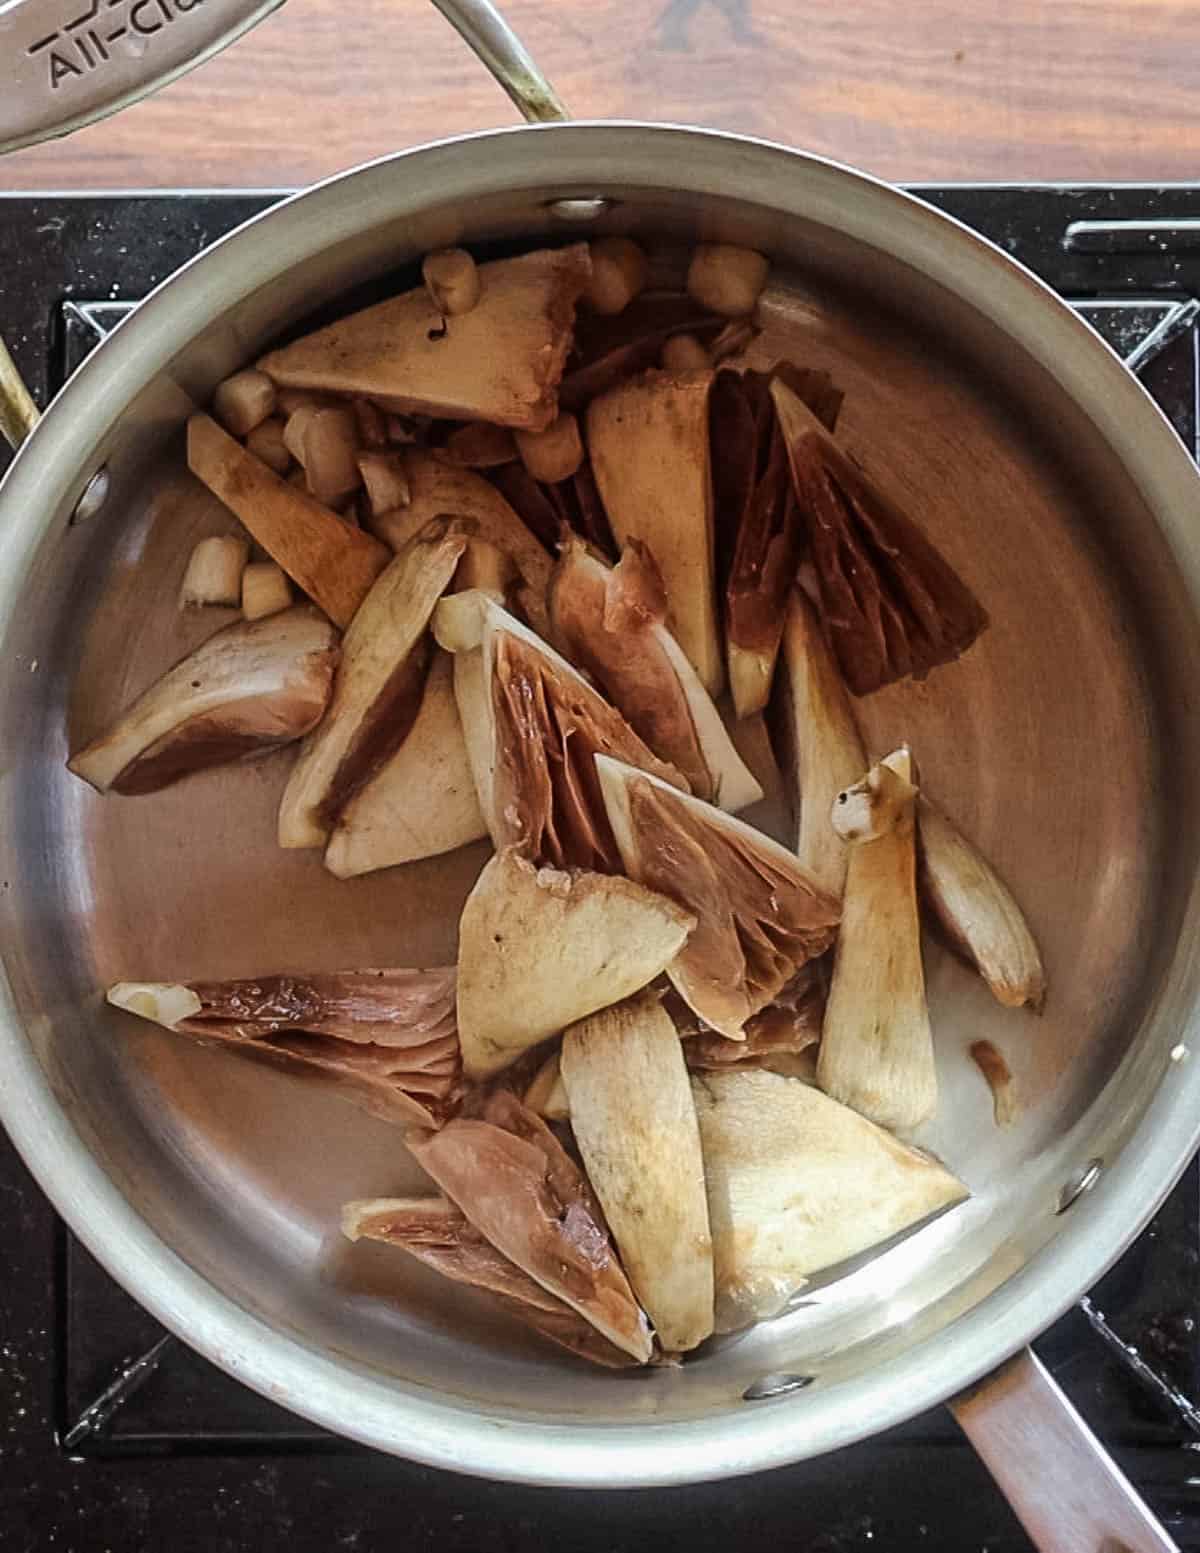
634,1120
500,362
378,688
253,686
760,916
649,445
539,949
434,1231
532,724
798,1183
517,1185
421,802
611,622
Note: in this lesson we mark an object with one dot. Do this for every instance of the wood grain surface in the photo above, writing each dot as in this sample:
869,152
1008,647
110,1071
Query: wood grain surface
929,89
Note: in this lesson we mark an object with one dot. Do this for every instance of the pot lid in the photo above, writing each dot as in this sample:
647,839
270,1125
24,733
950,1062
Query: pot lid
67,62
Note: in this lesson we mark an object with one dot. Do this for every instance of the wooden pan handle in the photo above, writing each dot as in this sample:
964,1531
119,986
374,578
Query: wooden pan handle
1068,1493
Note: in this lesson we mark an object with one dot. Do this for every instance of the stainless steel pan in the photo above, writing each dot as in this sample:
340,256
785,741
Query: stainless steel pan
1066,743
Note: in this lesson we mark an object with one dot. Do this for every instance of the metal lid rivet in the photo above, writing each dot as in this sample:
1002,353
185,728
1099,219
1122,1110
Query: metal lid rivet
579,210
1079,1182
775,1384
92,498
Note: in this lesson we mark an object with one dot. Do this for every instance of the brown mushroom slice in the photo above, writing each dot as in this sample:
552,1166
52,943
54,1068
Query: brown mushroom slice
760,916
824,750
876,1043
634,1121
332,560
500,362
610,622
789,1024
378,689
539,948
798,1184
553,511
977,910
437,488
546,1093
532,724
434,1231
385,1038
253,686
517,1185
891,603
611,349
421,802
649,445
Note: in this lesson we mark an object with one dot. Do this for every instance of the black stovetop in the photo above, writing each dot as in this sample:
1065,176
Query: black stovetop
113,1436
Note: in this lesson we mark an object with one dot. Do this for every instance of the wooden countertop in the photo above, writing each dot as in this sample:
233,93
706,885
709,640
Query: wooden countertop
932,89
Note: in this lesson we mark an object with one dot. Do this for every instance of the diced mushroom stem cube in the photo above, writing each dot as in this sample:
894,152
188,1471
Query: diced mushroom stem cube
214,571
331,454
265,590
266,442
619,272
726,279
684,353
452,280
244,401
386,480
554,454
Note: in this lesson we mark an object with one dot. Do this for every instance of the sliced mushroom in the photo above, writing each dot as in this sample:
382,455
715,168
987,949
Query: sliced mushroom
333,561
649,445
555,512
788,1025
251,687
824,750
500,362
516,1184
876,1044
890,602
434,1231
378,689
798,1184
547,1094
532,724
421,802
998,1076
634,1120
437,488
611,623
386,1038
977,911
539,948
760,917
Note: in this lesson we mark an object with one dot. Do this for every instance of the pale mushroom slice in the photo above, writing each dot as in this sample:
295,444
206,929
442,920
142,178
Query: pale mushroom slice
539,948
787,1026
977,911
823,748
876,1043
798,1184
760,916
378,688
611,622
432,1230
634,1121
517,1185
253,686
649,445
546,1093
500,362
386,1039
532,724
437,488
421,802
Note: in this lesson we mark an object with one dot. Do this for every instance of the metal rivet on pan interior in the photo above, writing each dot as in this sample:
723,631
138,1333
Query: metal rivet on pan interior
578,209
95,494
1082,1180
776,1384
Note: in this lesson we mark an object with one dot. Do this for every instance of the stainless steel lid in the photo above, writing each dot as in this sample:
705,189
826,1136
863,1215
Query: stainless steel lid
64,63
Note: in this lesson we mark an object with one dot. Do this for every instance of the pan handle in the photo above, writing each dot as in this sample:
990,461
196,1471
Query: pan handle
497,46
1067,1492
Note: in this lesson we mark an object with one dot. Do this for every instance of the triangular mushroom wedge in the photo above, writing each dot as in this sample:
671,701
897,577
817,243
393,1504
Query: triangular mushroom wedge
437,488
434,1231
798,1183
421,802
634,1121
760,916
649,446
386,1038
611,622
377,690
517,1185
891,603
876,1043
539,949
500,362
532,724
823,748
